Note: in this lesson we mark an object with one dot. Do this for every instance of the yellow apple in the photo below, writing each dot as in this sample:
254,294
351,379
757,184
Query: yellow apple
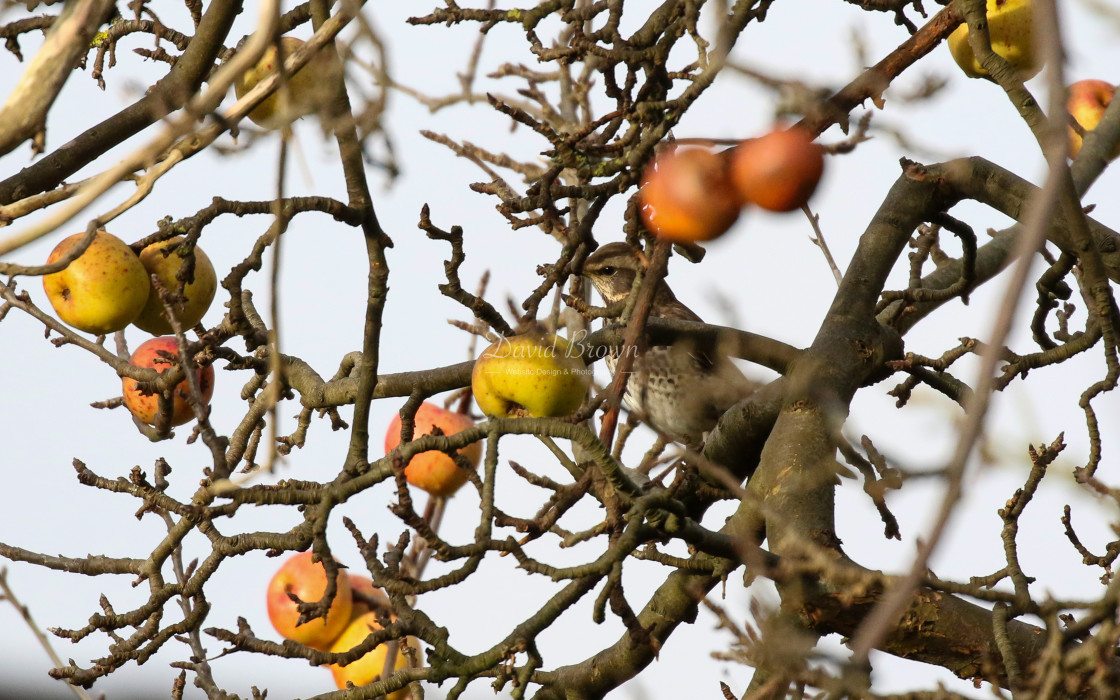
160,260
154,353
1011,29
1088,99
433,471
308,581
368,668
101,291
308,90
532,374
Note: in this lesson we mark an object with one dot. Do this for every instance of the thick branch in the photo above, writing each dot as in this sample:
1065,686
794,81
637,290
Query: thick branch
24,115
166,96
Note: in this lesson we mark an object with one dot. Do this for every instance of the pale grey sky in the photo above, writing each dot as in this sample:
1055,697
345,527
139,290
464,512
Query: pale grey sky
778,282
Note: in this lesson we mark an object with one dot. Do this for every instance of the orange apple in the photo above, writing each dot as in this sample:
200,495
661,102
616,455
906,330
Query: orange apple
433,470
101,291
686,195
160,260
368,668
532,374
161,354
308,581
1087,101
361,588
778,171
308,90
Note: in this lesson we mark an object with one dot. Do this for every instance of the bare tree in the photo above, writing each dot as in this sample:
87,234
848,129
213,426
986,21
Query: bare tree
600,101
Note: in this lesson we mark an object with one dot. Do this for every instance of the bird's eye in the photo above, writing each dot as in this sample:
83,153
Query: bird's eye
607,271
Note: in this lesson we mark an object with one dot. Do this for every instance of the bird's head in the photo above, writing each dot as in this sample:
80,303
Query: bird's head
612,270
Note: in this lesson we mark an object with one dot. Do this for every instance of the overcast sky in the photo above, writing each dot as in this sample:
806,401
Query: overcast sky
764,276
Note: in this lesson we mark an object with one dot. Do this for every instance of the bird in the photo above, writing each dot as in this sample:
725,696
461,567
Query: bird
680,390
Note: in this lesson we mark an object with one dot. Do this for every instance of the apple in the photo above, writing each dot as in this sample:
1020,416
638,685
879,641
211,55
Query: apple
160,354
533,374
433,471
363,592
1011,29
1087,101
368,668
307,580
686,196
160,260
102,290
309,89
778,171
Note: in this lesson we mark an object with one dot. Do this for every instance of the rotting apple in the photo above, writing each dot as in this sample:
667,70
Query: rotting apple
434,471
102,290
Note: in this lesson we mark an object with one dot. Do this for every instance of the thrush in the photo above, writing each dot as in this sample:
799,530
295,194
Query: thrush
680,390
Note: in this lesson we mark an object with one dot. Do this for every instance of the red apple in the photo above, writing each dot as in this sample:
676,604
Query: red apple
161,354
308,581
433,470
686,195
1087,101
778,171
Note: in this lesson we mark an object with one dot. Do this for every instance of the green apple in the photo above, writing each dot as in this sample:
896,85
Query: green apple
101,291
158,260
1011,30
532,374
